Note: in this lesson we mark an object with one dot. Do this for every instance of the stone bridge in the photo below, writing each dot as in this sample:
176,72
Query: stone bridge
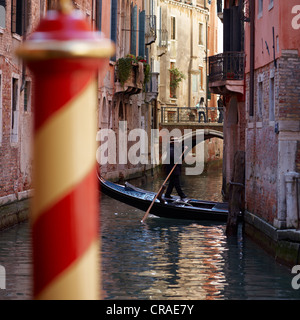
189,130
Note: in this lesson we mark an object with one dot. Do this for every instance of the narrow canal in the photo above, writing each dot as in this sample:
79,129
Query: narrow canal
163,259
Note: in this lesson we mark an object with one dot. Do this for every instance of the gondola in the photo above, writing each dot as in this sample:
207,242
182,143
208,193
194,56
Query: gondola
190,209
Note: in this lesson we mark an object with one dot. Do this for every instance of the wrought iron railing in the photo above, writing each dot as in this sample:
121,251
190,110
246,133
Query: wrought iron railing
227,66
162,38
185,115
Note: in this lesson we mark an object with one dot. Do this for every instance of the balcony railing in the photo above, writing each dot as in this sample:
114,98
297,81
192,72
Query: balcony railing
186,115
227,66
162,38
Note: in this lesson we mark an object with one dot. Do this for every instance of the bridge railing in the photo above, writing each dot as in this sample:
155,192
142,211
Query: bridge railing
187,115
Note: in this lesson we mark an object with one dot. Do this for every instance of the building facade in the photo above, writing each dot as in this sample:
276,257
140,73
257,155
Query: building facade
273,116
192,36
258,75
18,19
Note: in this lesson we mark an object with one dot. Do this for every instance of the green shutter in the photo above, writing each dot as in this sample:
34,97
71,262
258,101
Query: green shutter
133,30
142,18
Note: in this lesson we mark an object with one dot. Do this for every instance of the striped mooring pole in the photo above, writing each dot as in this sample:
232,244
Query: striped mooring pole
64,56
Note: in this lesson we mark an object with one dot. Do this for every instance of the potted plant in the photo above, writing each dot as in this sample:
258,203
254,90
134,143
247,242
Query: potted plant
126,64
176,77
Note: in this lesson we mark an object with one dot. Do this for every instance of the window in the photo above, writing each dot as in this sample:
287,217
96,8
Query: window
172,89
133,30
173,28
15,110
20,16
201,34
142,19
271,4
27,92
2,13
99,15
113,23
272,98
260,8
260,97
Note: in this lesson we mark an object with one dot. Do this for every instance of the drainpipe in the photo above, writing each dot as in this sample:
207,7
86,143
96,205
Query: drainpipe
24,4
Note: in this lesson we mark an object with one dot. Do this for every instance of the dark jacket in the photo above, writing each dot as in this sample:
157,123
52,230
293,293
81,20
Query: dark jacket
173,154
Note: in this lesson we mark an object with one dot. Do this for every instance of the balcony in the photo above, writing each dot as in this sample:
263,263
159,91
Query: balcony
150,29
163,40
226,72
151,88
133,83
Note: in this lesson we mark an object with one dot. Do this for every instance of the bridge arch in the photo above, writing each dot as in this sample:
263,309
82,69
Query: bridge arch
192,138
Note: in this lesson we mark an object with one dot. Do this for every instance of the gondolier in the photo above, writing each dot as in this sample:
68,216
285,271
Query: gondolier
174,153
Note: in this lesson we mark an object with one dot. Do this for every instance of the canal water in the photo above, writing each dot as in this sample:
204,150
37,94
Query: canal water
163,259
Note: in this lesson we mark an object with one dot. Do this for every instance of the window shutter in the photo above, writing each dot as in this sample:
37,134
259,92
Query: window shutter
133,30
99,15
113,23
113,26
226,32
142,33
235,29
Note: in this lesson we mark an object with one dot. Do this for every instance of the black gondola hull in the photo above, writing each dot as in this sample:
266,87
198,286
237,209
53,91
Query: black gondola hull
141,199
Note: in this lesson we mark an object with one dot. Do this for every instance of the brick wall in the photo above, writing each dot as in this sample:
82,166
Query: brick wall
15,152
289,86
262,138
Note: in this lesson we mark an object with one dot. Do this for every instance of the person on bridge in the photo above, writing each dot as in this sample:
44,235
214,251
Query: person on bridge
201,109
174,153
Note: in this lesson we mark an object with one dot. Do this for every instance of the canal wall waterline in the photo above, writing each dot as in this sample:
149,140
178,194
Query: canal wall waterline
14,213
283,245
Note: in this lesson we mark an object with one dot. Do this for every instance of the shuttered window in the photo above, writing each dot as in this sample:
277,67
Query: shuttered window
173,28
19,16
232,40
114,23
113,20
99,15
133,30
142,33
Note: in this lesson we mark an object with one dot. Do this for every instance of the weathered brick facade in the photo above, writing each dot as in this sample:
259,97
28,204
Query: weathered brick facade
16,88
267,135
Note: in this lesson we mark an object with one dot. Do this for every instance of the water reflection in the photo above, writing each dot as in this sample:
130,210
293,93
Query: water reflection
184,260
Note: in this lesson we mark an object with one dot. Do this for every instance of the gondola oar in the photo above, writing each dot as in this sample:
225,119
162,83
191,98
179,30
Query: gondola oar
159,193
